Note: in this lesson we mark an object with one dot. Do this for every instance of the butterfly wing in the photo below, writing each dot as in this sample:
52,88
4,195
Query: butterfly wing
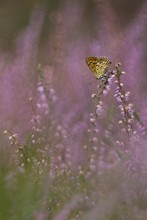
98,66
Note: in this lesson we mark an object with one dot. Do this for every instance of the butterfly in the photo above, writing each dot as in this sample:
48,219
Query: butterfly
98,65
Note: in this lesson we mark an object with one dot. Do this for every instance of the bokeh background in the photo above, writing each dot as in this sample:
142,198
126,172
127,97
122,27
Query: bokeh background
59,35
54,164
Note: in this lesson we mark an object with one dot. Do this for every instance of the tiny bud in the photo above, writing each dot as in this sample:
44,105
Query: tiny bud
118,64
114,72
89,130
93,95
105,92
81,172
128,93
107,87
5,132
123,72
92,120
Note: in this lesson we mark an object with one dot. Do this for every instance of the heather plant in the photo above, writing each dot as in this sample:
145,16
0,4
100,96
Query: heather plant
41,183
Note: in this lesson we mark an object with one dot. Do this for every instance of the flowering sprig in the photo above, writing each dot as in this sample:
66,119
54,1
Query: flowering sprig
129,116
45,88
54,133
19,147
122,98
94,132
103,89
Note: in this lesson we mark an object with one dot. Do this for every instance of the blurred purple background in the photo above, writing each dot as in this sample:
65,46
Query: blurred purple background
59,35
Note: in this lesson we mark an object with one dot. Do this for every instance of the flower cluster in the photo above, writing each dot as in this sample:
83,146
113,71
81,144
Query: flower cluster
128,114
112,159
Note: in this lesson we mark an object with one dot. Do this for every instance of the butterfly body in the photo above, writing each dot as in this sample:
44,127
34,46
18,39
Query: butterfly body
98,65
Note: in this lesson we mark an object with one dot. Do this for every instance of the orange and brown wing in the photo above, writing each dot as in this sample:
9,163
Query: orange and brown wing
98,66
